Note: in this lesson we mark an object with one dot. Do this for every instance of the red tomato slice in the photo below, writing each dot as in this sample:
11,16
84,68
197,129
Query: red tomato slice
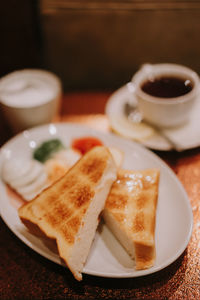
85,144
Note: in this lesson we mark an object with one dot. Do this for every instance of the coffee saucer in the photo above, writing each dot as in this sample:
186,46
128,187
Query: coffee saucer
184,137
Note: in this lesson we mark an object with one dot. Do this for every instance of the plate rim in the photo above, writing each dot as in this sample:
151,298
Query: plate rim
138,146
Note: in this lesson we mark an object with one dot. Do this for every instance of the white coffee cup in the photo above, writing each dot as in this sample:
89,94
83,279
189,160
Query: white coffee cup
29,98
163,111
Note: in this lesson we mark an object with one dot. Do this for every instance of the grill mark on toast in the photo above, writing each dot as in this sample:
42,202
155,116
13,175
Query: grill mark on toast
81,196
68,234
138,222
59,214
51,199
94,169
141,201
117,201
74,224
68,183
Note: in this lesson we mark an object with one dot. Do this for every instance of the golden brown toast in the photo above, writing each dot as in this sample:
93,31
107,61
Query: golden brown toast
130,213
68,210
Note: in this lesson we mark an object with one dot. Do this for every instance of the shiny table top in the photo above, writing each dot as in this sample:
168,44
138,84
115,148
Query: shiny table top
24,274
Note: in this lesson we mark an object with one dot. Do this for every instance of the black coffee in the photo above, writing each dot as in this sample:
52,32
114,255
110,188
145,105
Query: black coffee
167,87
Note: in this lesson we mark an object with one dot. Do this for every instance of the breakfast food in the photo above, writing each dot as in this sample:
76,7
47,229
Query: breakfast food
130,213
68,211
85,143
60,163
25,176
46,150
50,161
28,177
68,197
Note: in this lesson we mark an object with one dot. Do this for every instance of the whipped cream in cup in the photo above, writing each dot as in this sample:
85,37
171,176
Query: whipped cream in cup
29,97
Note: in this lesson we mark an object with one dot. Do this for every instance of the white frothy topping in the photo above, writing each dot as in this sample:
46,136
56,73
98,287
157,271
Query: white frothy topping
27,88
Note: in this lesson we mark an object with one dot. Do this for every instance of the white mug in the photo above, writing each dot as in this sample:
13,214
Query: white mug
29,98
160,111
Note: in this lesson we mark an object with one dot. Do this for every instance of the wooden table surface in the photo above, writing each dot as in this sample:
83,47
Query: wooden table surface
24,274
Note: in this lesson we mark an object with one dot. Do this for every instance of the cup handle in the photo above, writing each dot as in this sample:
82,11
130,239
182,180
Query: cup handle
146,68
131,106
131,94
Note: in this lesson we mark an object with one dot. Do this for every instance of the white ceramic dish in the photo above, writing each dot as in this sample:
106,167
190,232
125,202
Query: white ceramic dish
107,258
29,98
185,137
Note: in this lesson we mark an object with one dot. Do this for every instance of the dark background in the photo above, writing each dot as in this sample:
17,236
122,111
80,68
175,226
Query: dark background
97,44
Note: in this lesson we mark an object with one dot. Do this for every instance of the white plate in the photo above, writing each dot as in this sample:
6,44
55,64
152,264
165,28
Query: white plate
107,258
185,137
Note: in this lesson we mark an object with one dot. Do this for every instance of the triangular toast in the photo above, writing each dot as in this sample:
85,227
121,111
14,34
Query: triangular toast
130,213
68,211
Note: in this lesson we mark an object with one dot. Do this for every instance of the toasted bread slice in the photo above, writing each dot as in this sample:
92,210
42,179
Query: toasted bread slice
68,210
130,213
